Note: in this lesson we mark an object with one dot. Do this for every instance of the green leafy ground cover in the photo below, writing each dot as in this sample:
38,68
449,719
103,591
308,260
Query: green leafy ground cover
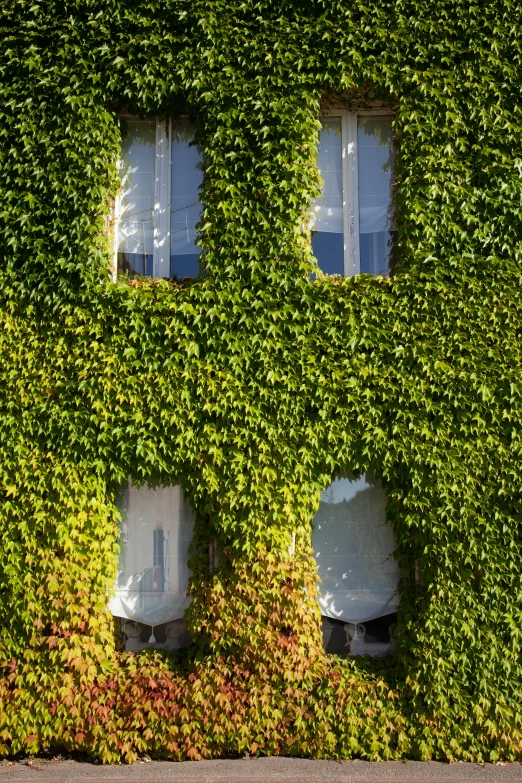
256,384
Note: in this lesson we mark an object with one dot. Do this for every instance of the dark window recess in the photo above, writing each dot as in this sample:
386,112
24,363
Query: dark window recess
167,636
135,264
374,637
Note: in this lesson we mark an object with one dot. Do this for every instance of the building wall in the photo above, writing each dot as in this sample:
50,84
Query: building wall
259,382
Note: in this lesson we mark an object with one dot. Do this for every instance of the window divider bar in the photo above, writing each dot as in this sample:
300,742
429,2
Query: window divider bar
346,194
116,230
351,180
161,251
116,223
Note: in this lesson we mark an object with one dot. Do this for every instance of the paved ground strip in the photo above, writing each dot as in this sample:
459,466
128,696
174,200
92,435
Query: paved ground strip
271,770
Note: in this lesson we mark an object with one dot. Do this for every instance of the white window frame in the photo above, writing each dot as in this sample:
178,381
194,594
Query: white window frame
162,194
162,174
162,201
350,181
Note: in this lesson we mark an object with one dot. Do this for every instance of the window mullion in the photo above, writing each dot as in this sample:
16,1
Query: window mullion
161,252
116,229
346,195
351,185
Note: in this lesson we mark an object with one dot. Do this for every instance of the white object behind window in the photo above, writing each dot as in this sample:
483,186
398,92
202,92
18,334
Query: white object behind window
352,221
187,176
375,158
354,547
327,212
156,531
135,236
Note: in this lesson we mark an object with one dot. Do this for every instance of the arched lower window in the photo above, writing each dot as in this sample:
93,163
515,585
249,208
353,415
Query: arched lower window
156,531
354,547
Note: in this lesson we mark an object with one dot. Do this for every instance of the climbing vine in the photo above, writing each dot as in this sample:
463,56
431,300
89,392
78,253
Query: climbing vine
261,380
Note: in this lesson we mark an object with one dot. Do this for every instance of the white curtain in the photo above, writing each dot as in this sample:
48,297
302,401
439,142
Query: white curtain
327,210
354,547
376,157
153,573
138,154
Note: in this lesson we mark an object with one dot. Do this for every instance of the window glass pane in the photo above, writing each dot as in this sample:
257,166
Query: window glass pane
187,176
156,530
375,160
136,227
327,212
354,548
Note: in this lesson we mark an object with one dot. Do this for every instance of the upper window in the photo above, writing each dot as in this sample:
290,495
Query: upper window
158,207
352,222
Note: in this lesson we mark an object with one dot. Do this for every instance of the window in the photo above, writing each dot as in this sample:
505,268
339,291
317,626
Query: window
354,547
158,207
352,222
156,531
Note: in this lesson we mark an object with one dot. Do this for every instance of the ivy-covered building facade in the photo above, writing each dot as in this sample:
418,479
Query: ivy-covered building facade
351,225
260,433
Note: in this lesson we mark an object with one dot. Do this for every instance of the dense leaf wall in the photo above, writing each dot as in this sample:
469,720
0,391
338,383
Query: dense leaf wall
257,383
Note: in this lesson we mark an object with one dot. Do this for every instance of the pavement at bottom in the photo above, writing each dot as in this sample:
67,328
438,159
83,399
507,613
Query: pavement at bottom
255,770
